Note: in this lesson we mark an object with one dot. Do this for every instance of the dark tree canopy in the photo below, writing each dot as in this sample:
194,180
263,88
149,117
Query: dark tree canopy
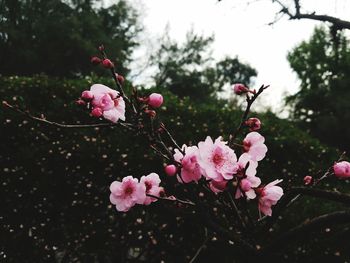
189,70
57,38
322,104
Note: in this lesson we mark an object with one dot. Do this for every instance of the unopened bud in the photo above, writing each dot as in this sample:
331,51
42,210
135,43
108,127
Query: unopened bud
96,60
87,95
151,113
101,48
155,100
97,112
170,170
106,63
120,79
254,124
239,89
308,180
246,185
80,102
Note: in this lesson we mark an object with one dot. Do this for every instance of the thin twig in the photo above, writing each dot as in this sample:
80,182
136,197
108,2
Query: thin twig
201,247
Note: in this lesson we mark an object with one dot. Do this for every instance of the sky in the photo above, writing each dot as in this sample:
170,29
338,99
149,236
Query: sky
241,29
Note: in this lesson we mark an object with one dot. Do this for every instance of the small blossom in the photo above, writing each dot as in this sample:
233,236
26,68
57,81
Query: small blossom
342,169
254,124
106,63
269,196
127,193
87,95
170,170
308,180
253,144
151,183
190,169
239,89
155,100
217,160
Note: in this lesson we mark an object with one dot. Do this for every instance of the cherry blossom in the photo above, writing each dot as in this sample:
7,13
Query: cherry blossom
269,196
253,144
190,169
151,183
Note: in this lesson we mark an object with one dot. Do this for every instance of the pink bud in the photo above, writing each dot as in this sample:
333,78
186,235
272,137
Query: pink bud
87,95
155,100
170,170
240,89
80,102
245,185
308,180
151,113
106,63
120,79
97,112
342,169
96,60
254,124
101,48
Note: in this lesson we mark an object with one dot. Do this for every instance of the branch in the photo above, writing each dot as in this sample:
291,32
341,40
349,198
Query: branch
172,199
60,125
329,195
334,218
201,247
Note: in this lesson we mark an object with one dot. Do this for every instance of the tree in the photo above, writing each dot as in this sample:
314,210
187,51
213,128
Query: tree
322,66
57,38
189,70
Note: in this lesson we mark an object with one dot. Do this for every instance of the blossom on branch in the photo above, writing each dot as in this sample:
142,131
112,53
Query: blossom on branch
151,183
269,196
342,169
190,168
253,144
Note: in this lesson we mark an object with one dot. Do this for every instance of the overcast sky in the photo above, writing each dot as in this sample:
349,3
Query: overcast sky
240,29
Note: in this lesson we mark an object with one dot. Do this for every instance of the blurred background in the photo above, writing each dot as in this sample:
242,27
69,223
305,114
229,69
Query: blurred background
54,182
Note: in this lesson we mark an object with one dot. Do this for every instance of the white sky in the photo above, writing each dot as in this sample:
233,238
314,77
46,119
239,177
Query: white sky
240,29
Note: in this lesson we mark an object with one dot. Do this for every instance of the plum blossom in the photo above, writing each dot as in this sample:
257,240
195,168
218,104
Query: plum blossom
342,169
170,170
127,193
105,102
155,100
254,124
190,169
239,89
253,144
268,196
151,183
217,160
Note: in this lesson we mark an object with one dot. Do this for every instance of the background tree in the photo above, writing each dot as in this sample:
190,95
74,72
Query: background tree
323,67
57,37
189,70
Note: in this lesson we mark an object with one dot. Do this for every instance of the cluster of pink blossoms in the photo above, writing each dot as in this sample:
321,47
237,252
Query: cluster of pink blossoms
218,164
130,191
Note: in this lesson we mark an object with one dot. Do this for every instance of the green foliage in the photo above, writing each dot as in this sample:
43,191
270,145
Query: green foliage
57,37
322,105
55,181
188,69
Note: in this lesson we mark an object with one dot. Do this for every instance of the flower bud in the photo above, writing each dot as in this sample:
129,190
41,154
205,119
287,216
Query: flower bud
170,170
96,60
120,79
308,180
106,63
87,95
254,124
97,112
101,48
245,185
239,89
151,113
80,102
155,100
342,169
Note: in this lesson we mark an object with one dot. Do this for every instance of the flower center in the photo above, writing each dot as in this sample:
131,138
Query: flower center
128,190
246,145
217,159
148,186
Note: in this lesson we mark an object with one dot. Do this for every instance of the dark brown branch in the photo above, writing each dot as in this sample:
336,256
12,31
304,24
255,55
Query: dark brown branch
338,23
61,125
201,247
329,195
173,199
340,217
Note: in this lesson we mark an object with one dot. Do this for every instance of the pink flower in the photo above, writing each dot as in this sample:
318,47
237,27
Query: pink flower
106,63
155,100
254,124
268,196
190,170
217,186
253,144
151,183
127,193
105,102
170,170
342,169
239,89
308,180
217,160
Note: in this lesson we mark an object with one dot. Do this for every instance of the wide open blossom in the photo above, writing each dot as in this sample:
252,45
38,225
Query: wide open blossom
269,196
253,144
190,169
217,160
247,175
342,169
127,193
105,102
151,183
